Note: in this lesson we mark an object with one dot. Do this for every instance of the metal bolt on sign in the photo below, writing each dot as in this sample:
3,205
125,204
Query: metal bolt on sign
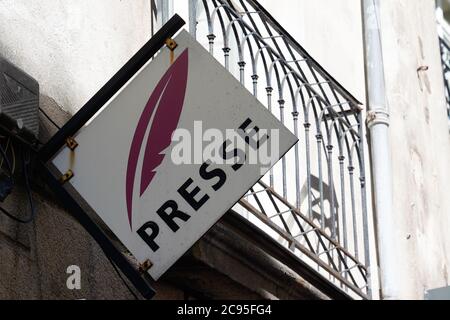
145,266
66,177
71,143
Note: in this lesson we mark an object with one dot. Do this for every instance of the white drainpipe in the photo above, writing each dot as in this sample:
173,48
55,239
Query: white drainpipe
165,10
378,124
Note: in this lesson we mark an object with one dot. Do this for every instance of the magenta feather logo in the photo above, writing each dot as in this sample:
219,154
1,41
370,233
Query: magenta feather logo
162,114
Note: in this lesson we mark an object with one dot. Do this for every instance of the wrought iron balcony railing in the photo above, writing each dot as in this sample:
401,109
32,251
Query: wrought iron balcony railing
444,42
314,201
445,57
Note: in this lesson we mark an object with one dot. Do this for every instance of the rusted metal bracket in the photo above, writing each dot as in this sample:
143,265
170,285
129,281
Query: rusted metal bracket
71,143
66,177
145,266
171,44
379,115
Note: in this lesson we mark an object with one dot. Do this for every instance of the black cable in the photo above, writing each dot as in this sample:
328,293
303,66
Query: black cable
25,164
121,278
49,118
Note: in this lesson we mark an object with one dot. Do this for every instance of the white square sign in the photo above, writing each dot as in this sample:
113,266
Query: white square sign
173,151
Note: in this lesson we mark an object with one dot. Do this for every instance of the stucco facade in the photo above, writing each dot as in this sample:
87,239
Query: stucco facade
420,144
72,48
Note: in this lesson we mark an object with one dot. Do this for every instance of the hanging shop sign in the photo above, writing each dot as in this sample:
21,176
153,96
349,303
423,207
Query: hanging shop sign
171,152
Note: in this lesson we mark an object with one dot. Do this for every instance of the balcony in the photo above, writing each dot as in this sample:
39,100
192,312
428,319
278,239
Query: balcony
444,41
314,201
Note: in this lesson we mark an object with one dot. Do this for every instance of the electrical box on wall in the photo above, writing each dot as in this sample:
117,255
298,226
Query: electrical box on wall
19,101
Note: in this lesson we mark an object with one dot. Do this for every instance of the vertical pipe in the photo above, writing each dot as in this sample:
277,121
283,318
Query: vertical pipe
211,38
365,217
295,115
242,72
193,8
281,102
307,126
226,53
331,191
319,138
343,200
164,8
269,91
153,11
351,170
378,125
255,85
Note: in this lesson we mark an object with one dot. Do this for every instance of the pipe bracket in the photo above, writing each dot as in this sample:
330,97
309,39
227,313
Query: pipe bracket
378,116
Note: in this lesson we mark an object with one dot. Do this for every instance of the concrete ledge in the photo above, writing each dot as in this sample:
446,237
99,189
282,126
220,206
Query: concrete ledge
249,264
